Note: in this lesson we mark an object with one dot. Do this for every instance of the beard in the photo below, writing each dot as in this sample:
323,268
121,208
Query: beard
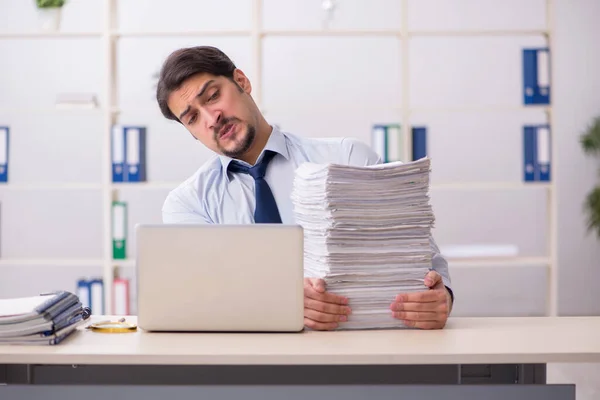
241,144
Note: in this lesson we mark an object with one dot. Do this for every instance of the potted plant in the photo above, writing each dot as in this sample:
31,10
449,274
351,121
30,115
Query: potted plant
49,13
590,141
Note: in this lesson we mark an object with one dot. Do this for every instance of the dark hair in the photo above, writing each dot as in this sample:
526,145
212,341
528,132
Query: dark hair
183,64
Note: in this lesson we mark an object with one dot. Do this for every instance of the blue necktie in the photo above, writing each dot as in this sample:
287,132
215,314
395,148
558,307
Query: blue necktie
266,208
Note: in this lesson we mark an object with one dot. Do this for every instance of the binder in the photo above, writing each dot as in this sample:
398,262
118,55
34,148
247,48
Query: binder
135,150
119,229
394,143
4,140
121,296
536,76
118,154
419,143
529,153
386,141
128,153
543,152
536,153
84,292
379,141
97,296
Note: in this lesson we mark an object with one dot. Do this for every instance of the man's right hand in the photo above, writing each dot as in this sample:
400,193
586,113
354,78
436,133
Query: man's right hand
322,310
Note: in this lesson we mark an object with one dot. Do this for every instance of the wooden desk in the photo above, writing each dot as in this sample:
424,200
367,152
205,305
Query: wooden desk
463,341
468,351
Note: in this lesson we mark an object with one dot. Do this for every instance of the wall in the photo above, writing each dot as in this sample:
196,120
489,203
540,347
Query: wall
577,100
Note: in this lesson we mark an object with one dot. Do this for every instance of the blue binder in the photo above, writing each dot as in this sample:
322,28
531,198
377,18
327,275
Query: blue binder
135,154
128,154
536,76
529,153
97,296
84,292
4,140
537,150
419,143
118,153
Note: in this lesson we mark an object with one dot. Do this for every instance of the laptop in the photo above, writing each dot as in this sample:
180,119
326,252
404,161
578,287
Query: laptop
220,278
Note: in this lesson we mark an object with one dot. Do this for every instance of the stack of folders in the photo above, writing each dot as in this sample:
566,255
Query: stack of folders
366,233
40,320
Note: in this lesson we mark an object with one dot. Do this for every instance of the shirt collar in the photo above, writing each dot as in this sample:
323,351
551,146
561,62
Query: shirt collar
276,143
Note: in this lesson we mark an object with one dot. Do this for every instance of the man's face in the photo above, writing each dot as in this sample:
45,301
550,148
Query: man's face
217,112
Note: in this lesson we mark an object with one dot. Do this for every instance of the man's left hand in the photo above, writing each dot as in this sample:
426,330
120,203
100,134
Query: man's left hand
426,310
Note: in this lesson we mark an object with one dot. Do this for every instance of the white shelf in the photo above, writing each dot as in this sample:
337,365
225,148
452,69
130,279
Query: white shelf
480,109
395,107
50,186
471,262
465,33
50,35
127,262
330,33
152,34
52,262
51,110
491,186
319,33
499,262
145,185
434,186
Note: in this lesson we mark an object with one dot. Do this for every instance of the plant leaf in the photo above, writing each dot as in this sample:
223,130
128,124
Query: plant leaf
592,209
590,139
50,3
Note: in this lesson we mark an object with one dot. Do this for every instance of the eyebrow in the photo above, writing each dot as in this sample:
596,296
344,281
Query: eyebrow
200,93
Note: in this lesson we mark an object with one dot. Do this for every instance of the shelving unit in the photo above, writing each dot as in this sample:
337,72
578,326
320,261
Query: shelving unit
111,111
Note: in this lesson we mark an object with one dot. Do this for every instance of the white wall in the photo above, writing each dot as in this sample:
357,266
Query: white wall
577,101
466,90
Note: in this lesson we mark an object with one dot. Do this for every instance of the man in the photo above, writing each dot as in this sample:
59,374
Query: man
251,177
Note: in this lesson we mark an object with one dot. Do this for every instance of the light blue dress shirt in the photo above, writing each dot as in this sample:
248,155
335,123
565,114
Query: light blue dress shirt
214,196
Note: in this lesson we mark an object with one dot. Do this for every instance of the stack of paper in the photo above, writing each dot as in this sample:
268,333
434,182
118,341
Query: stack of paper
367,233
45,319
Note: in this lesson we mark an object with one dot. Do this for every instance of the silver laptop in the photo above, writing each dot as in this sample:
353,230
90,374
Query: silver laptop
220,278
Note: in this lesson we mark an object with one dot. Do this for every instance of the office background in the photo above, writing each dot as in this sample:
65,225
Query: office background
318,68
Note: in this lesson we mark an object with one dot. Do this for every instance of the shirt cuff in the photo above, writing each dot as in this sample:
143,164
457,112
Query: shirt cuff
451,294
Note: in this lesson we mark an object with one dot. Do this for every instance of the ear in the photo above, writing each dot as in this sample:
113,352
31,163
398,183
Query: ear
242,80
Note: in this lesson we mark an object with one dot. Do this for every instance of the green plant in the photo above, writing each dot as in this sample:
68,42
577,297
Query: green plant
50,3
590,141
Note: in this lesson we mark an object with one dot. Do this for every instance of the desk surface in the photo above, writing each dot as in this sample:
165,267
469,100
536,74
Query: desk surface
463,341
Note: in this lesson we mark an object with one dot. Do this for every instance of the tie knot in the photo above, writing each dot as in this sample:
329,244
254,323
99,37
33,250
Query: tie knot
257,171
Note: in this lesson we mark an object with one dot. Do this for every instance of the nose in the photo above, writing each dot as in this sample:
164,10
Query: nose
213,118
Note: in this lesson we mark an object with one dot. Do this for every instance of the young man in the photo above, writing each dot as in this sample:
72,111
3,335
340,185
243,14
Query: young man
250,179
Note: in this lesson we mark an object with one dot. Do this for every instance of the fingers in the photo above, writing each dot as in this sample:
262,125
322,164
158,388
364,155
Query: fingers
425,324
324,317
318,284
425,310
323,310
320,326
427,296
312,290
432,278
422,316
327,308
436,307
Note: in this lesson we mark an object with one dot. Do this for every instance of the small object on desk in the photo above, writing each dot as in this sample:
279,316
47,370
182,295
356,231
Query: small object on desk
45,319
120,326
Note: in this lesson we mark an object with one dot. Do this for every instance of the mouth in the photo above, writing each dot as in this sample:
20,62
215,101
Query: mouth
226,131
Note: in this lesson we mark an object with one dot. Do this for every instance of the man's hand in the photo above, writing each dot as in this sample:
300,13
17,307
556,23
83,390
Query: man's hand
425,310
322,310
